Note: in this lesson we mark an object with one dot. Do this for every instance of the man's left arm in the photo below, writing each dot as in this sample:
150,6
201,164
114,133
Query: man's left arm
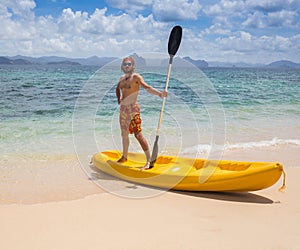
150,89
118,93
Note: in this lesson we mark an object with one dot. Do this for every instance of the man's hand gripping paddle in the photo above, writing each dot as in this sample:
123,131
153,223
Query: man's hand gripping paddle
173,45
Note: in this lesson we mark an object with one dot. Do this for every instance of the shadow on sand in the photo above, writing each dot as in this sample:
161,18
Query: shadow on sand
243,197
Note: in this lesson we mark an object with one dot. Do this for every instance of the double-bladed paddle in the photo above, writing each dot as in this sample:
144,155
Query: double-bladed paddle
173,45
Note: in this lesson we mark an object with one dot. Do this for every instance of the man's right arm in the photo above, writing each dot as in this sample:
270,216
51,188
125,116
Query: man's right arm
118,93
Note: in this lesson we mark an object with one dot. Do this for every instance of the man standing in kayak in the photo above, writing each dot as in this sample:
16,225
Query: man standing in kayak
127,93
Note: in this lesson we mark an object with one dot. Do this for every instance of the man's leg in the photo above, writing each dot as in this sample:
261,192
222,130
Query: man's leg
144,144
125,143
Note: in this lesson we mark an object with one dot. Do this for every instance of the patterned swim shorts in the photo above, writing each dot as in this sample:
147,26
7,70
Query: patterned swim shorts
130,118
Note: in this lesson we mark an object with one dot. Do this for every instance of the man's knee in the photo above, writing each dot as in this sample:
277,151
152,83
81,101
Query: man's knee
138,135
124,133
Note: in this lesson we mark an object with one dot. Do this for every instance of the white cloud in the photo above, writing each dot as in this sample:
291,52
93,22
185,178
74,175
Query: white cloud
175,10
217,29
130,6
16,18
241,46
72,22
278,19
284,18
225,7
269,5
255,13
164,10
76,33
241,42
260,48
22,9
256,19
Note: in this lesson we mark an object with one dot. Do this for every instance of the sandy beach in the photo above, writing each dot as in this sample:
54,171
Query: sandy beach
265,219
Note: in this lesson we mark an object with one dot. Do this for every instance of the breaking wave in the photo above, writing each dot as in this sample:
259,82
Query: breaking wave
275,142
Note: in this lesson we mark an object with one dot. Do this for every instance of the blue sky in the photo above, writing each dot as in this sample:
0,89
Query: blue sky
253,31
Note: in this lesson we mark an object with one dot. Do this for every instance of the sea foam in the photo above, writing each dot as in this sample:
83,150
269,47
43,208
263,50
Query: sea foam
275,142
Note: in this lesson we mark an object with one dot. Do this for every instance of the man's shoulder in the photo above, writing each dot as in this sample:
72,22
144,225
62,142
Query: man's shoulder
136,76
122,77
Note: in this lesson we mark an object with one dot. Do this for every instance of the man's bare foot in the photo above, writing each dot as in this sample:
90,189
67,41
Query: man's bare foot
147,166
122,159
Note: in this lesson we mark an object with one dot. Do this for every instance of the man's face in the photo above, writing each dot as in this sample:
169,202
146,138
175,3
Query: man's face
127,66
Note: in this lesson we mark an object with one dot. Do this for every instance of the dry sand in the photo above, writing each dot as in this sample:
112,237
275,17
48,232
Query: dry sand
265,219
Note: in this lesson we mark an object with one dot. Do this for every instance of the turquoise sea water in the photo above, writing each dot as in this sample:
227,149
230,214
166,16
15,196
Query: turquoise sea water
53,109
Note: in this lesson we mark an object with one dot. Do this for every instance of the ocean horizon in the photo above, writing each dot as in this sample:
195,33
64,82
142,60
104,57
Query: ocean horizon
102,61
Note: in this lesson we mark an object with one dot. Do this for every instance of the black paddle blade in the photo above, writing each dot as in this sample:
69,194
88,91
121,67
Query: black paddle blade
174,40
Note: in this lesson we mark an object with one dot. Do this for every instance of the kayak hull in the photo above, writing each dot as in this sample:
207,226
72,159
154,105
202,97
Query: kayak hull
188,174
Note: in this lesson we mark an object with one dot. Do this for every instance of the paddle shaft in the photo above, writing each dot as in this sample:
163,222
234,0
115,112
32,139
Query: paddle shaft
164,99
155,146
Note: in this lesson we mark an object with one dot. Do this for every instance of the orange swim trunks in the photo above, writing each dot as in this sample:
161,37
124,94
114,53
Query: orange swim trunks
130,118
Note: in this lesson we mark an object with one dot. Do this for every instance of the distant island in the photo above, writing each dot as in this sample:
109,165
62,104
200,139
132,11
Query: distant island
101,61
55,60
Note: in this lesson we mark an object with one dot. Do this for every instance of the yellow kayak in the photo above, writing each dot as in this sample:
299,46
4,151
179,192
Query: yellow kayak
190,174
